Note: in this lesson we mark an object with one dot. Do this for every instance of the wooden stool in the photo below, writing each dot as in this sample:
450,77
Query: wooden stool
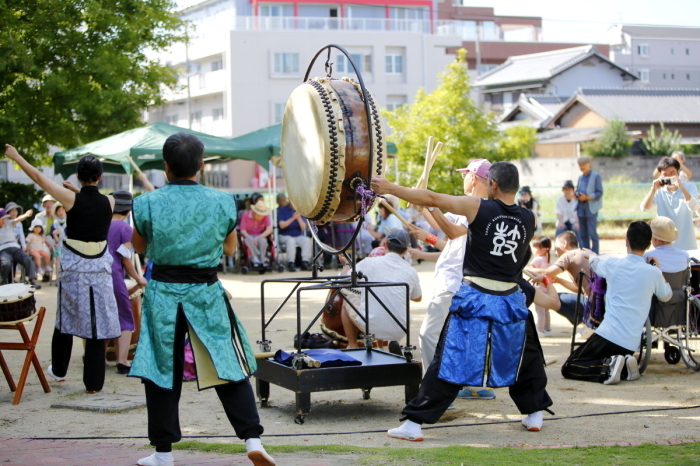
30,347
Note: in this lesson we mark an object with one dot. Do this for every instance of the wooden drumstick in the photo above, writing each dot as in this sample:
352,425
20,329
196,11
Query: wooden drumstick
264,355
398,215
311,362
133,164
430,157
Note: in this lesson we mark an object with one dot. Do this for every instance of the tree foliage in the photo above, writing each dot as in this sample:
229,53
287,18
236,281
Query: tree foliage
77,70
613,141
451,116
664,144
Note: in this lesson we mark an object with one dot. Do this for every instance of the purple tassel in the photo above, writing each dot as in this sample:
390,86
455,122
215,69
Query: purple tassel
367,197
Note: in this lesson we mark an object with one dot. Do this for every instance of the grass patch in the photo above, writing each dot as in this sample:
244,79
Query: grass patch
643,455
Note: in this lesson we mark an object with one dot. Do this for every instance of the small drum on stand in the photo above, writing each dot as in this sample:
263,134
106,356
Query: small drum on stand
332,324
16,302
325,148
135,293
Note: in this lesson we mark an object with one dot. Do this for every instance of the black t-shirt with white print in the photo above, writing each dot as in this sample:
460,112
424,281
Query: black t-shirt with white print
498,241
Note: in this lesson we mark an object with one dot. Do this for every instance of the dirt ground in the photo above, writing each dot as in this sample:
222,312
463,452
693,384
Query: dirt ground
336,412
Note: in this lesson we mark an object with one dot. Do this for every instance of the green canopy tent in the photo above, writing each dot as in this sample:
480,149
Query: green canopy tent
145,146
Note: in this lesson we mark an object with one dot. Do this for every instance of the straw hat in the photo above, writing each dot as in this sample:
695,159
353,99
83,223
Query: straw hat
663,229
260,208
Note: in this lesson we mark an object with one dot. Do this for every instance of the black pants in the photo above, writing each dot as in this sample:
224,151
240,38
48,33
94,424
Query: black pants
529,391
7,256
93,366
587,362
237,398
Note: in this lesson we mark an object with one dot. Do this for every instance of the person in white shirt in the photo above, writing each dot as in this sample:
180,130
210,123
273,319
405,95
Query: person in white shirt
387,268
668,258
565,210
607,356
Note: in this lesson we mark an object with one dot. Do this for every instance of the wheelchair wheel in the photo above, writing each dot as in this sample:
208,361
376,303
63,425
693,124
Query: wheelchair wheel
672,354
244,270
644,354
689,336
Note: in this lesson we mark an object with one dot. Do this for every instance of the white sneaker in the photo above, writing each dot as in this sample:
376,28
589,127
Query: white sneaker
157,459
615,367
55,377
407,431
585,333
632,368
257,454
533,422
544,333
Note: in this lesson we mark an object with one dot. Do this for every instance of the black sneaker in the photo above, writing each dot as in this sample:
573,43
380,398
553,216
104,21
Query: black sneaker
305,265
32,281
291,267
123,369
45,278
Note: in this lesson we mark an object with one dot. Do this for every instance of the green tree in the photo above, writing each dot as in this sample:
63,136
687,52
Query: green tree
664,144
451,116
612,142
72,71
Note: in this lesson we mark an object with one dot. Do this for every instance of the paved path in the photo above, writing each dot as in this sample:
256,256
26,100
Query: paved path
22,452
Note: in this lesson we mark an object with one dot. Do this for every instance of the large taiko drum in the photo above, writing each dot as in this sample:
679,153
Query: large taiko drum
16,302
325,148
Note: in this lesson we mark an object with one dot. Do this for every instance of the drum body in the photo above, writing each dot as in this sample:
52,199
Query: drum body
325,148
16,302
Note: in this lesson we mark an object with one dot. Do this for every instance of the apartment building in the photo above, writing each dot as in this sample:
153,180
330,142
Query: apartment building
661,56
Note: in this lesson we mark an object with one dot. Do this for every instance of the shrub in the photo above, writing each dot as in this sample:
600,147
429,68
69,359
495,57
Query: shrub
664,144
612,141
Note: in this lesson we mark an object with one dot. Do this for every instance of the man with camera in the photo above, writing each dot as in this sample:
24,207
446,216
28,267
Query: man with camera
674,199
589,192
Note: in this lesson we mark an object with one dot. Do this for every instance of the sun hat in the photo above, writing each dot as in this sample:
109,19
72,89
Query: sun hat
398,238
36,223
260,208
568,184
663,229
525,189
14,205
48,197
123,201
480,167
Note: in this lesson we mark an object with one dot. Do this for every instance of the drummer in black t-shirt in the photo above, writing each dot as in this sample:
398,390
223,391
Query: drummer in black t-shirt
489,337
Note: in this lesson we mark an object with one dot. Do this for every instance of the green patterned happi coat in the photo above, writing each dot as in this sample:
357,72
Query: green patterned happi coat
185,224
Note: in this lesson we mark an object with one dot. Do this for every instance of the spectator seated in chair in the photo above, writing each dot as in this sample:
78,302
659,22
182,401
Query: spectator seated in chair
255,226
607,356
387,268
292,233
669,258
10,250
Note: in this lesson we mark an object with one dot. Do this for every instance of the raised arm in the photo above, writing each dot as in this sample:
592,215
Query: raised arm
61,194
461,205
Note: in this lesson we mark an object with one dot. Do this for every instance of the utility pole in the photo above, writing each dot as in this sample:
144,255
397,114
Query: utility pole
187,65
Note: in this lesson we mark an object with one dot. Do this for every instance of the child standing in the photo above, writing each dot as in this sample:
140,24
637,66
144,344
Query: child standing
37,247
541,247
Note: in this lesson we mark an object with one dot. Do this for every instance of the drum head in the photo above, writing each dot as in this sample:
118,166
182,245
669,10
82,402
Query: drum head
311,150
15,292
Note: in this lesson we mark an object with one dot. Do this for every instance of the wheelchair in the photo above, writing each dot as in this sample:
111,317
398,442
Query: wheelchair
675,322
243,257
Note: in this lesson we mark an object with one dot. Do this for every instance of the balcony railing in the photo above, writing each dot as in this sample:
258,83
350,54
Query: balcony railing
298,23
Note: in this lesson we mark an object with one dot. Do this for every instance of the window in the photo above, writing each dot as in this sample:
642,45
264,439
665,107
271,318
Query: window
395,101
286,63
643,50
497,98
196,117
217,114
672,50
363,61
171,120
673,76
687,51
216,65
664,76
485,68
271,10
202,81
278,112
687,76
644,76
394,64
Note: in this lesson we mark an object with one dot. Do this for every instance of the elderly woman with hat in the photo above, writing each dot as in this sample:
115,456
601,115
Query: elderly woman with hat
669,258
86,307
119,245
17,216
11,251
255,227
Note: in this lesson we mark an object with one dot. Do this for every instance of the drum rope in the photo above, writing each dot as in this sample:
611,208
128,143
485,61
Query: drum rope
376,431
367,197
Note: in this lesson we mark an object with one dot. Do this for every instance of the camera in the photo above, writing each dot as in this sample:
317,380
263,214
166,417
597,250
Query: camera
665,181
